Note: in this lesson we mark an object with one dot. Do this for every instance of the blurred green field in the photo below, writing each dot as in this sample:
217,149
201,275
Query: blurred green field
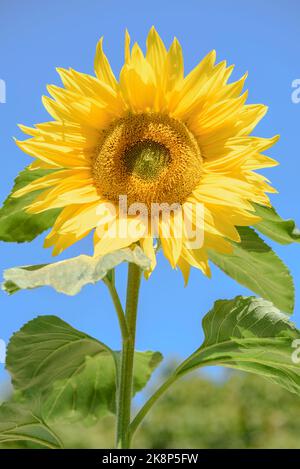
241,411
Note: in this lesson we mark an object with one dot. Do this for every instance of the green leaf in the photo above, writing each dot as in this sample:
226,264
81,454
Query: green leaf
16,225
144,365
250,334
47,349
91,393
87,394
257,267
20,425
273,226
69,276
75,373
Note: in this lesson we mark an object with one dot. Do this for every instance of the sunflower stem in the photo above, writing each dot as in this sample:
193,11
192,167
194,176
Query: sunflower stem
124,397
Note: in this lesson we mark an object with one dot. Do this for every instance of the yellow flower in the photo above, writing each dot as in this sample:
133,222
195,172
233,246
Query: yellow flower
153,137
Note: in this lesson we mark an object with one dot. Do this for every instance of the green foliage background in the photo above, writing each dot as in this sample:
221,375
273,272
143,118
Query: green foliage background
240,411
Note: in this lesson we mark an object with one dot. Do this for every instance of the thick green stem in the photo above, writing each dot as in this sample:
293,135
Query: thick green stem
127,358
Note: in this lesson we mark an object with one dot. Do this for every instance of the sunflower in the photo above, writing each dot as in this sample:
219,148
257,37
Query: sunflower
155,136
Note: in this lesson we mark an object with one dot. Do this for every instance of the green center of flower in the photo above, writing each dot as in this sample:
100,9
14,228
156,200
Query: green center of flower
146,159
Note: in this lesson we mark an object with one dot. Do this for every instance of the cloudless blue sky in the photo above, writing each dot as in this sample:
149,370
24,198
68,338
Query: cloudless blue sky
261,37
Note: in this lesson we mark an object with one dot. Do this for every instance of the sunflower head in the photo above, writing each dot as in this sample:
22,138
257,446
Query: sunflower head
160,139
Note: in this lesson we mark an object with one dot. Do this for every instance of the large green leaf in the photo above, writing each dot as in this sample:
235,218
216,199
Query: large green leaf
75,373
255,265
91,394
277,229
70,275
16,225
88,394
21,425
249,334
47,349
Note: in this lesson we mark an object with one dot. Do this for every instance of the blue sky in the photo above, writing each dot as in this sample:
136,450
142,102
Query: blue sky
35,37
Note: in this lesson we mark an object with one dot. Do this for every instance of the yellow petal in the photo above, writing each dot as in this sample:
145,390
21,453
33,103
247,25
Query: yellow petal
52,180
85,217
39,164
213,117
80,85
127,47
102,67
197,258
185,268
120,234
156,53
90,112
58,154
64,194
193,83
224,190
69,134
250,117
175,67
79,111
148,248
137,83
171,233
62,242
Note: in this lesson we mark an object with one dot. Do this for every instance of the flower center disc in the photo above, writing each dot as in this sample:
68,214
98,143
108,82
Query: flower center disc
149,158
146,159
